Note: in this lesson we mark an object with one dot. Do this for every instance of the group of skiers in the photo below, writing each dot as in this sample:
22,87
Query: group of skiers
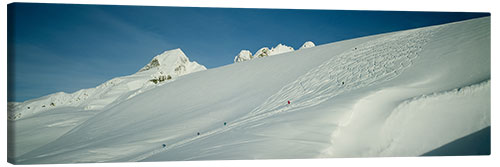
225,123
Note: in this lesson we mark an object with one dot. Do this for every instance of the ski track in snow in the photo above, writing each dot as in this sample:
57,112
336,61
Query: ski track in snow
371,62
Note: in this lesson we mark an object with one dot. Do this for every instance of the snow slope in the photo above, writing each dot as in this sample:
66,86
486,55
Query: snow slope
39,121
396,94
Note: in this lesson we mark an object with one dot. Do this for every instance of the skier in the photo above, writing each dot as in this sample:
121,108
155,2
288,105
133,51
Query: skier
224,123
164,145
198,133
288,101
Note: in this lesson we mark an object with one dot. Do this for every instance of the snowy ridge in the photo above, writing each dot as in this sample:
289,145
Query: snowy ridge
246,55
168,65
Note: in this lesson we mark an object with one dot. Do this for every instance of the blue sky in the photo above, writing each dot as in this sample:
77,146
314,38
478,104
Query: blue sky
56,47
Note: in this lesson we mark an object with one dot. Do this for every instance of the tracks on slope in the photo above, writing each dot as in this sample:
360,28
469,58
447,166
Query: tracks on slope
371,62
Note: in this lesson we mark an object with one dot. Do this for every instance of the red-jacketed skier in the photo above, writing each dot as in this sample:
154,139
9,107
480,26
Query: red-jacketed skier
288,101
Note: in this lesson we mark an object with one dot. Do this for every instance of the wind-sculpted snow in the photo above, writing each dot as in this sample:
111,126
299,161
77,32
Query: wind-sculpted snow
374,61
397,141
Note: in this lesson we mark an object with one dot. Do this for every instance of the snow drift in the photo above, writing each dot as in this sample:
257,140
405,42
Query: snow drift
396,94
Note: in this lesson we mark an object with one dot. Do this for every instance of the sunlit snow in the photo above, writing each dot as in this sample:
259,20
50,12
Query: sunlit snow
395,94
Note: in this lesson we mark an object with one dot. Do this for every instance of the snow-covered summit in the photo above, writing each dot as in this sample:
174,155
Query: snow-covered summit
244,55
265,51
262,52
173,61
169,57
308,44
280,48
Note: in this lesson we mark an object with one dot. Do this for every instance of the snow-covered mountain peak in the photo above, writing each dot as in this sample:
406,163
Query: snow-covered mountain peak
172,63
262,52
244,55
164,67
307,44
167,58
280,48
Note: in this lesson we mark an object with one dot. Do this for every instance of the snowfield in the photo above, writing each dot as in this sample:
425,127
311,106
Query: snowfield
403,93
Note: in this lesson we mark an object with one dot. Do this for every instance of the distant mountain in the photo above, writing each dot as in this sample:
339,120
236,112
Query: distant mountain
245,55
279,49
165,67
308,44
